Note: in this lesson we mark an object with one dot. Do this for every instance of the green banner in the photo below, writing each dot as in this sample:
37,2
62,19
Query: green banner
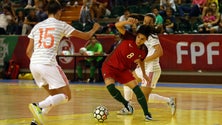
7,46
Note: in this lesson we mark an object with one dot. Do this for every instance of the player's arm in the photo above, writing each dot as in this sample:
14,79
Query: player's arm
86,35
158,52
142,66
120,25
29,49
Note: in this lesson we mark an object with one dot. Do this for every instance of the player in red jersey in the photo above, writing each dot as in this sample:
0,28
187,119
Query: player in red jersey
119,64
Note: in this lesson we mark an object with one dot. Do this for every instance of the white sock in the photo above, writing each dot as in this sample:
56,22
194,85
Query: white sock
45,111
155,98
54,100
128,93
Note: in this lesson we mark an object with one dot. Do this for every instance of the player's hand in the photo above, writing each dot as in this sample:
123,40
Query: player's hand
148,80
96,26
138,61
132,20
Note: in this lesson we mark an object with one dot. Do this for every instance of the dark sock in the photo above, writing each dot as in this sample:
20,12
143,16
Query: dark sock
116,94
141,99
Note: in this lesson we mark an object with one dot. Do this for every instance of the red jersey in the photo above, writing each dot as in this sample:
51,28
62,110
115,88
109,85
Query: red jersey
124,55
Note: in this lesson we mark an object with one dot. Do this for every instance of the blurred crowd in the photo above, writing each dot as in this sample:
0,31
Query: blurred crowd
172,16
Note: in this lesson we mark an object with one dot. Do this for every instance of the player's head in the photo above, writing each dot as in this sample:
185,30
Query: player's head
143,33
93,39
54,7
149,19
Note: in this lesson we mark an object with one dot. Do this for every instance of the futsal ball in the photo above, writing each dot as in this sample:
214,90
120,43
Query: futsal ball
100,113
66,52
89,53
82,50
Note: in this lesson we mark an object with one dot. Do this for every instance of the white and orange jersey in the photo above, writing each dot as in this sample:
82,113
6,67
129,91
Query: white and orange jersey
153,65
47,35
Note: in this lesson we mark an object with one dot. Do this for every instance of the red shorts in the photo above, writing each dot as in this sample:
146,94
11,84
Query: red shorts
121,76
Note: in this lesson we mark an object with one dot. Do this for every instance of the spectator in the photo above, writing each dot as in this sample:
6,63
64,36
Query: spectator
30,20
183,8
40,11
93,47
197,7
217,14
9,5
169,21
20,18
6,18
159,20
207,21
212,5
85,16
99,8
164,4
194,10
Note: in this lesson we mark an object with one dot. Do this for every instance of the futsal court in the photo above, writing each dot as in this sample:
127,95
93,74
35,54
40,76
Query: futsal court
197,104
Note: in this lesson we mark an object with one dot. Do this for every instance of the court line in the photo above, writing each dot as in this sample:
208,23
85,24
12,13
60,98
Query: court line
160,84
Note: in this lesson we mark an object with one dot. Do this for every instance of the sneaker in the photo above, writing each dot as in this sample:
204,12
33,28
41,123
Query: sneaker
126,110
148,117
36,112
172,104
90,80
34,122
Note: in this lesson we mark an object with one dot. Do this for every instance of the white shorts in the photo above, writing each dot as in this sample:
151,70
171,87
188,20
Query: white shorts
154,76
49,74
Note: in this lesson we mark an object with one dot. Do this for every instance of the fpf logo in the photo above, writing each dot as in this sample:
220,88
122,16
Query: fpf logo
66,47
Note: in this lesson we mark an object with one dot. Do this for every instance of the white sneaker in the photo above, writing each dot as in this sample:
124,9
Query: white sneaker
172,104
126,111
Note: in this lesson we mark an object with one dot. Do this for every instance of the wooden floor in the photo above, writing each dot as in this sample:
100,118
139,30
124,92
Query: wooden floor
199,105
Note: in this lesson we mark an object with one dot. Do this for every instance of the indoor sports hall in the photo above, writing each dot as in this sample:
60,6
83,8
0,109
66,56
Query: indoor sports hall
191,71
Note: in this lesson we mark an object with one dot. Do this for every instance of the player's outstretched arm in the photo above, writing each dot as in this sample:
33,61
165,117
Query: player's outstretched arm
86,35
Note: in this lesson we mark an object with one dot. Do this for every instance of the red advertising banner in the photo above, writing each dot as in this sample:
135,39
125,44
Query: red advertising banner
181,52
191,52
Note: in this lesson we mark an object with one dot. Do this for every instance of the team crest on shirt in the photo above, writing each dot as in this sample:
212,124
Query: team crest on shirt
130,46
66,47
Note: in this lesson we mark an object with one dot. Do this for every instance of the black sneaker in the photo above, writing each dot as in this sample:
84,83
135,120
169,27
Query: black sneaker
148,117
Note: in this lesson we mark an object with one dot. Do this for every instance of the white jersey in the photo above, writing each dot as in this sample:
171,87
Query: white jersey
152,68
150,43
47,35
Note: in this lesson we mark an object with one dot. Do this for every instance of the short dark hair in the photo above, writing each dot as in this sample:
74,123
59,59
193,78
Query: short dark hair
146,30
152,16
53,7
